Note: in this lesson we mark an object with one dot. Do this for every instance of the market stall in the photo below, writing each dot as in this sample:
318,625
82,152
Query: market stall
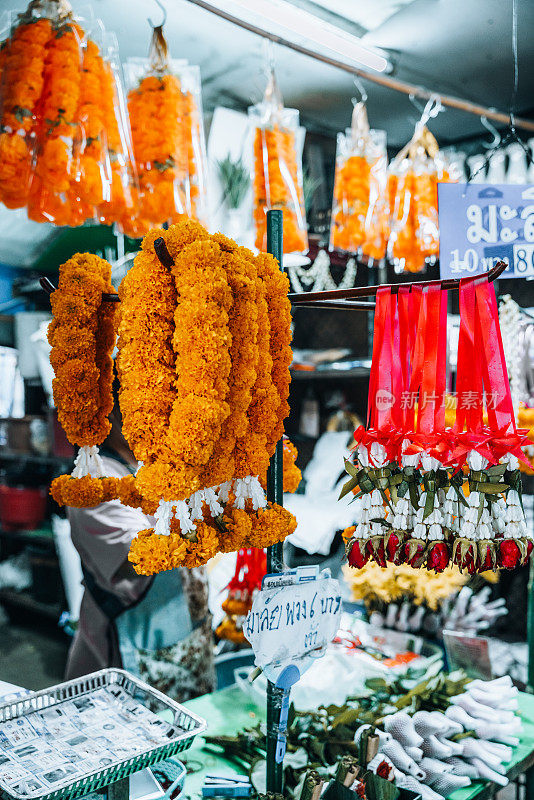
352,569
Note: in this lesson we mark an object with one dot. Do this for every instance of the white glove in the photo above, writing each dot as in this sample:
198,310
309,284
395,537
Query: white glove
410,783
484,771
395,751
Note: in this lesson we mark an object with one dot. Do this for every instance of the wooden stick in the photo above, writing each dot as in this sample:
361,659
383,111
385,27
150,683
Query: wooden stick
162,253
312,298
378,78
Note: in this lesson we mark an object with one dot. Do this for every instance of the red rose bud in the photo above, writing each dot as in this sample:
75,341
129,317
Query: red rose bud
358,557
465,554
375,548
415,552
394,550
438,557
509,554
487,556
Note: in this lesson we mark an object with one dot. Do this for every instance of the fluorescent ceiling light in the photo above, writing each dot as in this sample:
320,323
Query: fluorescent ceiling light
304,27
370,15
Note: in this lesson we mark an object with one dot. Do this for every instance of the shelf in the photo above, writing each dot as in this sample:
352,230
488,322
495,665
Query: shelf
361,371
22,601
42,536
15,455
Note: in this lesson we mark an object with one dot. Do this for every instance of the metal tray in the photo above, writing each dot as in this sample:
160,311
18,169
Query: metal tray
186,726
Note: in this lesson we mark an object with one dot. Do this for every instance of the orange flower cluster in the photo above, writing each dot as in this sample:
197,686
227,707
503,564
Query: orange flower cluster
278,184
414,205
23,58
121,198
151,553
204,372
53,146
168,143
82,336
360,219
292,474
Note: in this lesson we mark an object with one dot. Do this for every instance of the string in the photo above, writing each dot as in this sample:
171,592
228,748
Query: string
513,97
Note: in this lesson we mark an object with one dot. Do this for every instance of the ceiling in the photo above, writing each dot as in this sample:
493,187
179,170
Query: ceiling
459,47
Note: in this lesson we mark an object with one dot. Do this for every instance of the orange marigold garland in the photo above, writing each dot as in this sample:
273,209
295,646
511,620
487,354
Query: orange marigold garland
82,336
23,57
277,170
170,155
58,114
200,377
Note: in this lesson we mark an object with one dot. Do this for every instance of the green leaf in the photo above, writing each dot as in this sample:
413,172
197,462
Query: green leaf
235,180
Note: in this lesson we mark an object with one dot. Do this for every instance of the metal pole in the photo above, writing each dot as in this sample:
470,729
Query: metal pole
378,78
275,553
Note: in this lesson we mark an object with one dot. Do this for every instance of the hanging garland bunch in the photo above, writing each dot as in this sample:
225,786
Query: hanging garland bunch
433,496
359,217
55,115
170,156
216,392
82,335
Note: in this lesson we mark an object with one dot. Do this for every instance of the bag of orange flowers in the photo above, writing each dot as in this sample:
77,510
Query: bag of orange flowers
120,202
165,109
360,215
53,151
415,172
277,176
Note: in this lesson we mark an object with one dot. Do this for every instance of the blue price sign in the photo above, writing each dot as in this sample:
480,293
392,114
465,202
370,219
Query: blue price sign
480,224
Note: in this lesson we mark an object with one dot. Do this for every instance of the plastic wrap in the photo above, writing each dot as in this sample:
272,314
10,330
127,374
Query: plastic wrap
360,213
120,204
412,189
54,155
165,108
277,175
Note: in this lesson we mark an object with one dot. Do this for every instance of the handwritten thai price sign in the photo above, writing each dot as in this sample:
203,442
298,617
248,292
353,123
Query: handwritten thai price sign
480,224
292,621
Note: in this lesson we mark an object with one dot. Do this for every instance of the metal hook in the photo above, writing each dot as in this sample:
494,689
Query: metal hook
361,88
497,138
164,12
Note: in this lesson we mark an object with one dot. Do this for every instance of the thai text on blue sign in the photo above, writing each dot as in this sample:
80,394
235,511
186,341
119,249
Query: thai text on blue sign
480,224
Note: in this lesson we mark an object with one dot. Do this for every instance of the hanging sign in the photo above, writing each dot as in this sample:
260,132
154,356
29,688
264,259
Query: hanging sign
292,621
480,224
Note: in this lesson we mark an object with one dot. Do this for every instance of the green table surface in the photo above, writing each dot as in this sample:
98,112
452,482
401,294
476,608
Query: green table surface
231,709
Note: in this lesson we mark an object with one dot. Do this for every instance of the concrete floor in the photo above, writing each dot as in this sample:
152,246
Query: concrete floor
31,656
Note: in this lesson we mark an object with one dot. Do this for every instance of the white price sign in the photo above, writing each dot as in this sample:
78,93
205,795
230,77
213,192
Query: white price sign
293,624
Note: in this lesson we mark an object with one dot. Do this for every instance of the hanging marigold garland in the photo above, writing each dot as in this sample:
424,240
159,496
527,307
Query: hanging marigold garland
82,335
201,373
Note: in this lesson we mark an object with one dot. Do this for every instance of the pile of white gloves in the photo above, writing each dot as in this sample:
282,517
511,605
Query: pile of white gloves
424,758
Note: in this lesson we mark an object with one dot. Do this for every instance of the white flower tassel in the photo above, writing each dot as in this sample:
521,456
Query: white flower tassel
224,491
211,500
249,488
163,518
182,514
195,504
515,524
367,510
88,462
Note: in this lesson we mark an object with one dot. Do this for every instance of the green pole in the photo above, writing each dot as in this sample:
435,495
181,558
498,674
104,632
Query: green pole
275,553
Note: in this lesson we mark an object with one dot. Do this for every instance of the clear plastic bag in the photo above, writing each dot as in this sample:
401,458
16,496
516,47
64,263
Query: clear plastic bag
360,213
120,204
277,170
54,155
165,109
412,188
